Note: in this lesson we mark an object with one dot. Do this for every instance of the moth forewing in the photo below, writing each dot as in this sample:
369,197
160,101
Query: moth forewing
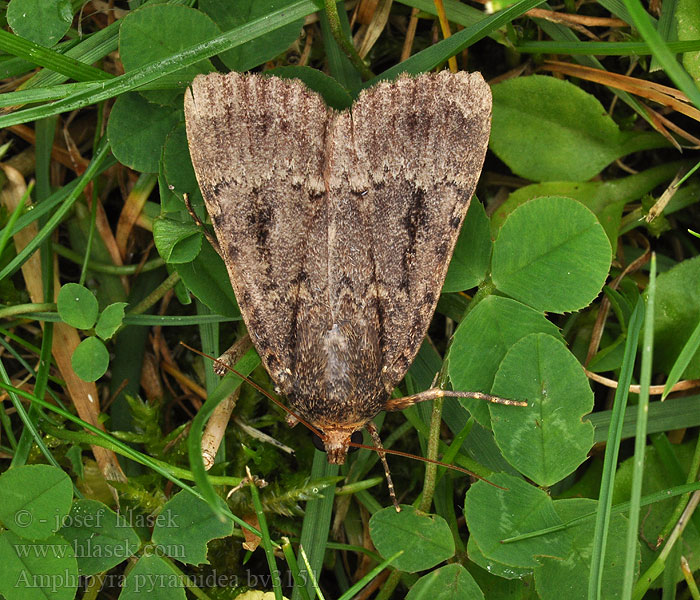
337,228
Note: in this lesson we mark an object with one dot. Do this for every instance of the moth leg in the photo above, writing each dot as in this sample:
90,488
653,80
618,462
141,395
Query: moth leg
432,394
210,238
232,355
372,429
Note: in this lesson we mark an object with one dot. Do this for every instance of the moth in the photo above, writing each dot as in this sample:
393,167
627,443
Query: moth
337,228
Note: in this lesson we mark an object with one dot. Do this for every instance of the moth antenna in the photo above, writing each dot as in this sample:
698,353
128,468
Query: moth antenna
433,393
210,238
422,459
372,429
263,391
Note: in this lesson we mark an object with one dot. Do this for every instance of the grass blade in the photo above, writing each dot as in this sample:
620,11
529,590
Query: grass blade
160,68
50,59
640,440
612,449
317,520
310,570
431,57
57,217
601,48
367,578
661,52
299,582
266,542
683,360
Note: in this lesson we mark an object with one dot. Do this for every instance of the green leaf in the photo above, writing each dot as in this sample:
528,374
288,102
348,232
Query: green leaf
659,476
608,358
606,199
571,574
153,579
552,254
425,539
191,55
436,54
599,196
102,538
472,254
159,31
499,588
90,359
42,22
177,241
494,514
110,320
137,130
77,306
334,94
451,582
498,569
622,301
677,316
75,456
482,341
179,172
687,16
546,129
187,524
690,349
207,278
34,500
228,15
43,570
546,440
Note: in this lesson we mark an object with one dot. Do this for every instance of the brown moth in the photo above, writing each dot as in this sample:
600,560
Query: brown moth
337,228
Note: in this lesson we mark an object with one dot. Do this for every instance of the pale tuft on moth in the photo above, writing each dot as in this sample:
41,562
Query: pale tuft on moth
337,228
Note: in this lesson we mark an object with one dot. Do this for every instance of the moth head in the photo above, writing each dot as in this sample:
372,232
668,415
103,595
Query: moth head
336,443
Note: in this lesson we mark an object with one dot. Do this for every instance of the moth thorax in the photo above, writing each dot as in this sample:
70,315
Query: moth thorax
337,442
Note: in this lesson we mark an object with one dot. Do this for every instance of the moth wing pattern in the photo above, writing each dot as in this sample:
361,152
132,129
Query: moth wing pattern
337,228
257,146
421,141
